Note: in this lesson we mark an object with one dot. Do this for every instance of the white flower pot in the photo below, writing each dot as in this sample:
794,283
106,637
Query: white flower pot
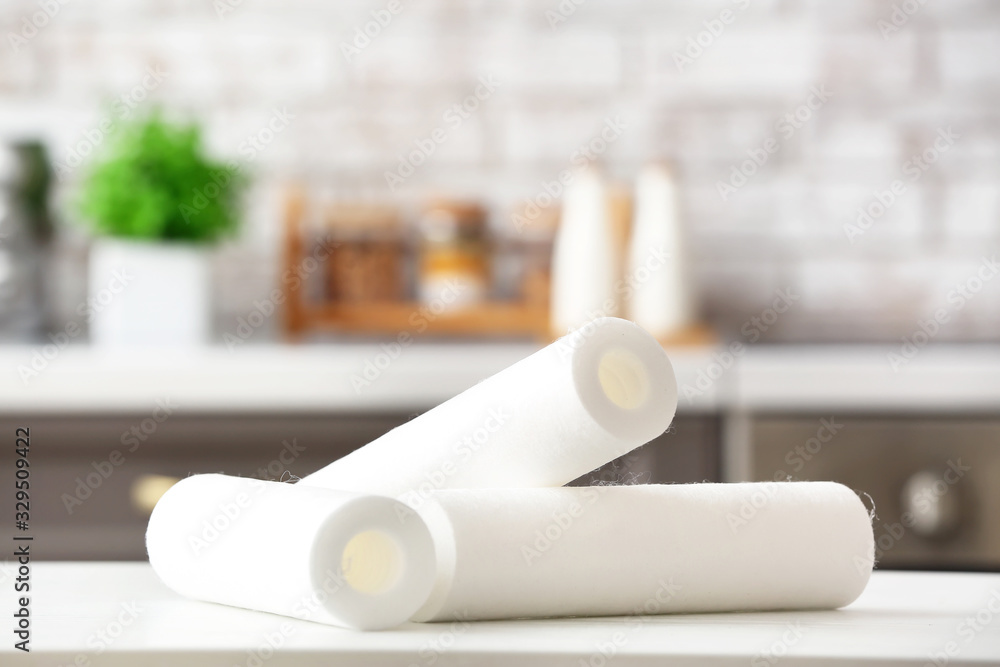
148,293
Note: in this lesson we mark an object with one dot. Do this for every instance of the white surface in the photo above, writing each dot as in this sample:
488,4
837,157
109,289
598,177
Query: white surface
279,378
571,407
900,619
364,562
613,550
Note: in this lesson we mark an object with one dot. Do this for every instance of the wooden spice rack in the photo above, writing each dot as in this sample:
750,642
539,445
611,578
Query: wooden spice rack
528,318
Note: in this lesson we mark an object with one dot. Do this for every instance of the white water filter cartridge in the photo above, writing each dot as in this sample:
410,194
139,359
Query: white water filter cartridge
363,562
646,549
590,397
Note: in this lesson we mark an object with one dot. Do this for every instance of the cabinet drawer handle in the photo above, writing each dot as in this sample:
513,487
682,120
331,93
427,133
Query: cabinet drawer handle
147,489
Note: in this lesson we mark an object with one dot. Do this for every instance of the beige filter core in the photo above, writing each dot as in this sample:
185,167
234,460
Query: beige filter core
372,562
624,378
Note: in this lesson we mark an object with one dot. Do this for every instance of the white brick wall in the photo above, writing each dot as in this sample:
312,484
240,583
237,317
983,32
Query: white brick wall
559,83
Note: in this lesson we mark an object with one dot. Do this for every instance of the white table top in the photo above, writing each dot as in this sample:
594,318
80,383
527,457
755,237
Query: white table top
278,378
901,619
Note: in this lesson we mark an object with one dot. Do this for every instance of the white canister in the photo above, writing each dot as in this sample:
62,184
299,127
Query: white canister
585,261
659,292
144,293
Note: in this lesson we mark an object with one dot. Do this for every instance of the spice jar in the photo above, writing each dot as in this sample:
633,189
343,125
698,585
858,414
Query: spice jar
454,256
367,257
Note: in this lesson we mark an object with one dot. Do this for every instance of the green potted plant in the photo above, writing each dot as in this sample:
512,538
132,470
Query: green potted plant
156,203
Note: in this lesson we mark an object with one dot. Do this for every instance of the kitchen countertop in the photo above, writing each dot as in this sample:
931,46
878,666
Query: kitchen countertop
346,377
118,614
360,377
944,378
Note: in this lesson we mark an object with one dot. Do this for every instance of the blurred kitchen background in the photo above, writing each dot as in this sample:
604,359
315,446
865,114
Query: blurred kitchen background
823,178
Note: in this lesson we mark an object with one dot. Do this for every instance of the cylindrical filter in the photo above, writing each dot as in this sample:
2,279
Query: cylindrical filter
631,550
364,562
571,407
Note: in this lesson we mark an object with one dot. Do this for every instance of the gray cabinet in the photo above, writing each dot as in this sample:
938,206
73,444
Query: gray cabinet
86,470
932,481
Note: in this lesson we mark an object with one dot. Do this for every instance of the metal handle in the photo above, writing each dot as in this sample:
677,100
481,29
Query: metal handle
934,503
146,491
